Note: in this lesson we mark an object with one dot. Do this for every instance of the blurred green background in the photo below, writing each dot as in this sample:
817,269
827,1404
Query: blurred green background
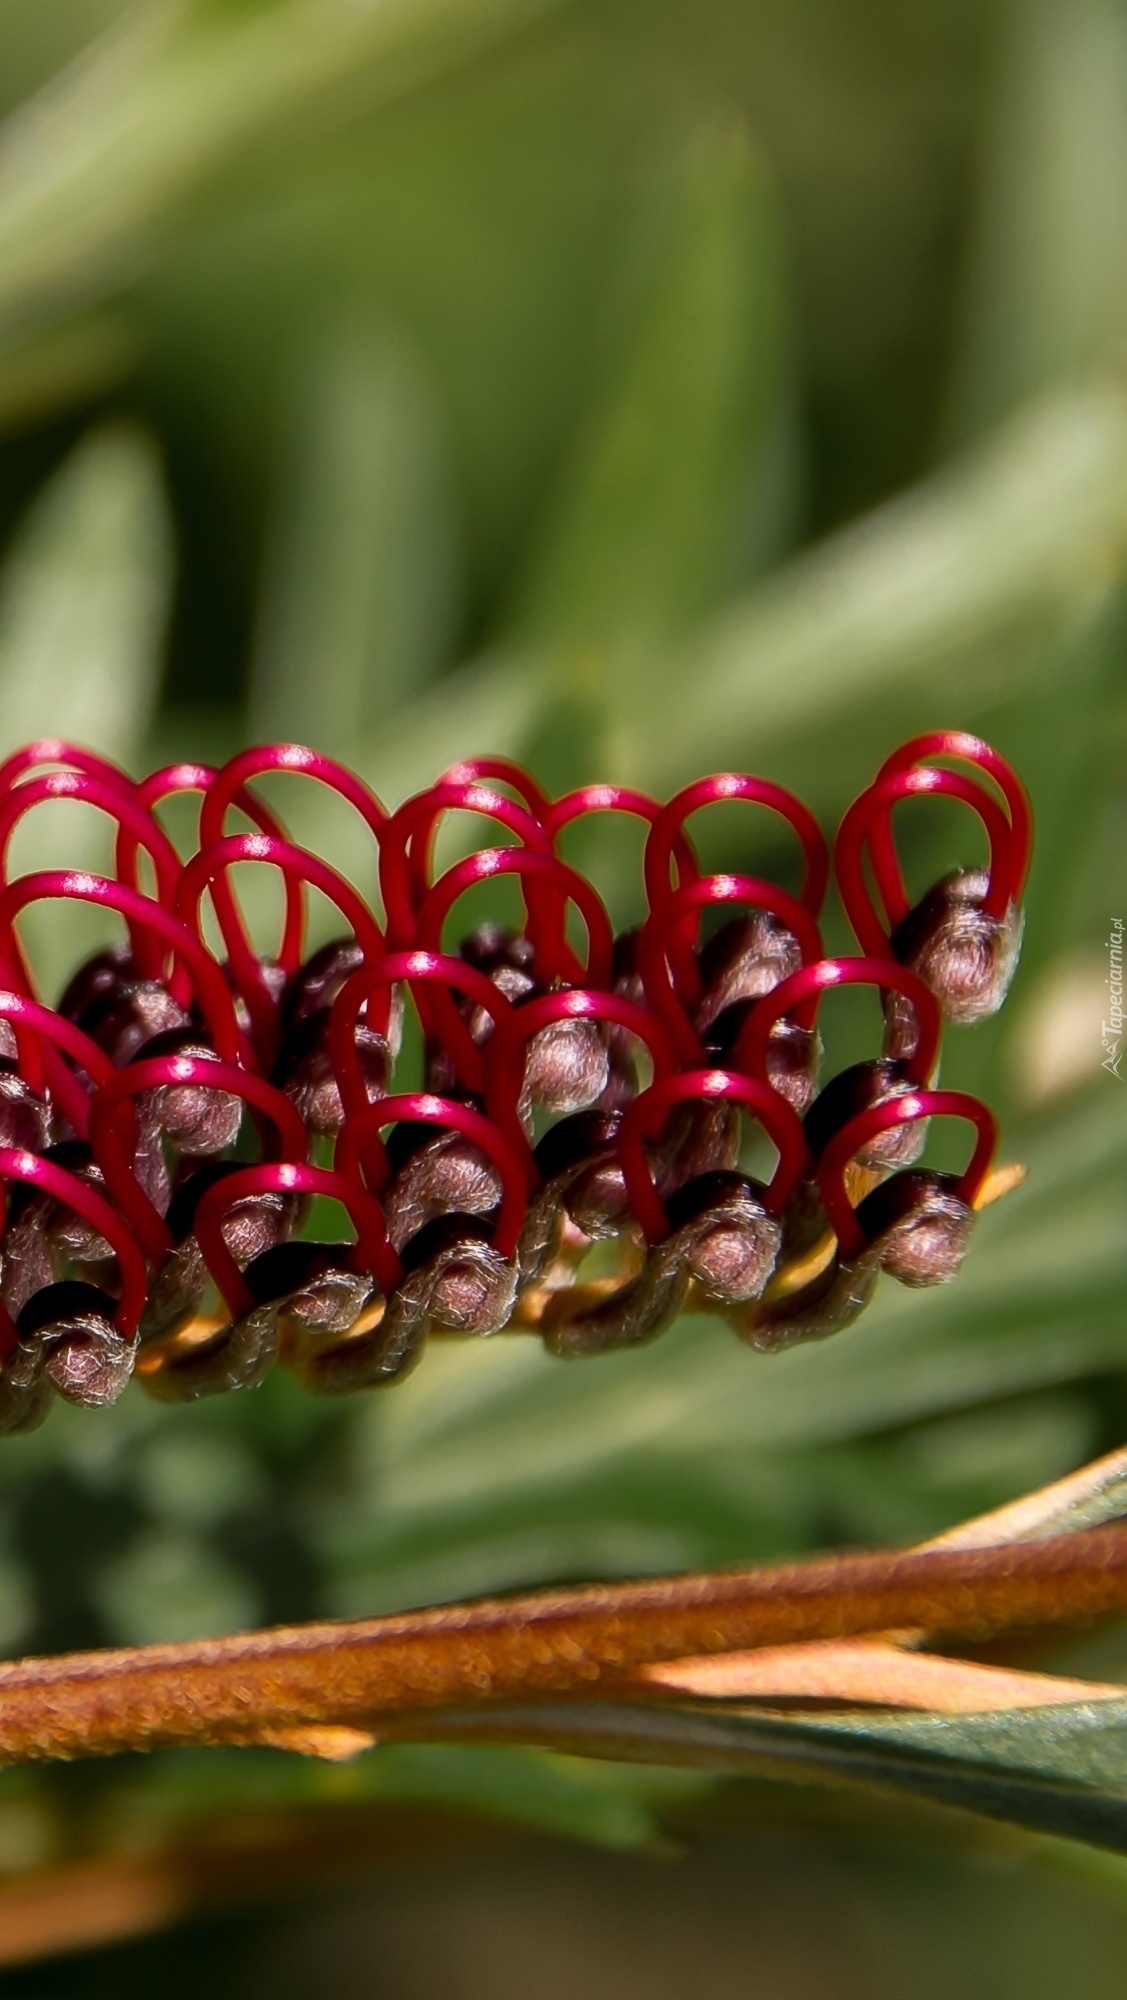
635,389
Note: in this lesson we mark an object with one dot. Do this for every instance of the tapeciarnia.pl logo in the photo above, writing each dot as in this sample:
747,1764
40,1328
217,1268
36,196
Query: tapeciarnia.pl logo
1113,1028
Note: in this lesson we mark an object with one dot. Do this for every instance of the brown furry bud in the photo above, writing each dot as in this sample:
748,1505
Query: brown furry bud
456,1277
70,1238
829,1303
566,1066
85,1358
437,1174
195,1120
918,1226
238,1356
304,1070
506,957
746,958
853,1090
126,1014
638,1311
25,1120
728,1242
311,1285
966,957
316,984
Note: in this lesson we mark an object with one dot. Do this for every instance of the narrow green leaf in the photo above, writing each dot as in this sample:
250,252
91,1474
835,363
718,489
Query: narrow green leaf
83,598
83,601
358,596
90,167
662,511
1047,296
1060,1770
959,584
963,584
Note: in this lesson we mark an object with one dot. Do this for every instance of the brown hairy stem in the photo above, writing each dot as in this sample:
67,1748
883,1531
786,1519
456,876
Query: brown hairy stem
325,1687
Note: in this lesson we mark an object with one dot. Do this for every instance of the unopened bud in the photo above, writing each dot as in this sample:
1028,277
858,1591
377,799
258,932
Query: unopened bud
918,1226
966,957
196,1120
251,1225
311,1285
237,1356
506,957
304,1070
566,1066
746,958
25,1119
641,1309
85,1358
854,1090
826,1305
456,1277
125,1014
728,1242
436,1175
316,984
70,1238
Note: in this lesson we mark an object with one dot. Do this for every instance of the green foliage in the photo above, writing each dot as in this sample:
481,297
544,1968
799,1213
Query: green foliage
442,376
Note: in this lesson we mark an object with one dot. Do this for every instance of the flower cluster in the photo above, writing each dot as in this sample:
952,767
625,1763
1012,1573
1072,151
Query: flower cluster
164,1127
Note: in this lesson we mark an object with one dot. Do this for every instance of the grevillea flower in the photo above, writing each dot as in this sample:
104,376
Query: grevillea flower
165,1125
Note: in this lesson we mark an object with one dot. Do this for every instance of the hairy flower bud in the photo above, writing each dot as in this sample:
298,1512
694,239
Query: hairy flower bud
967,957
853,1090
918,1226
435,1174
197,1121
745,958
118,1011
304,1069
25,1119
311,1285
84,1357
727,1241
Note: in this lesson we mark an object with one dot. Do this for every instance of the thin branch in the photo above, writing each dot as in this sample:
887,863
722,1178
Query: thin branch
381,1675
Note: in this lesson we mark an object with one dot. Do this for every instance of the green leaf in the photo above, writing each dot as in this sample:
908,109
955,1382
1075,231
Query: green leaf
83,602
91,167
1048,266
961,584
359,598
665,506
1059,1770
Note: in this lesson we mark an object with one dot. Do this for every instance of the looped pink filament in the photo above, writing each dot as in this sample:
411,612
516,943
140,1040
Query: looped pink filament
371,1251
506,1054
793,995
559,962
412,968
227,789
669,970
209,866
502,771
153,1073
874,806
52,1179
966,749
645,1116
424,1108
56,750
869,1124
201,979
405,859
659,854
119,798
175,779
38,1020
